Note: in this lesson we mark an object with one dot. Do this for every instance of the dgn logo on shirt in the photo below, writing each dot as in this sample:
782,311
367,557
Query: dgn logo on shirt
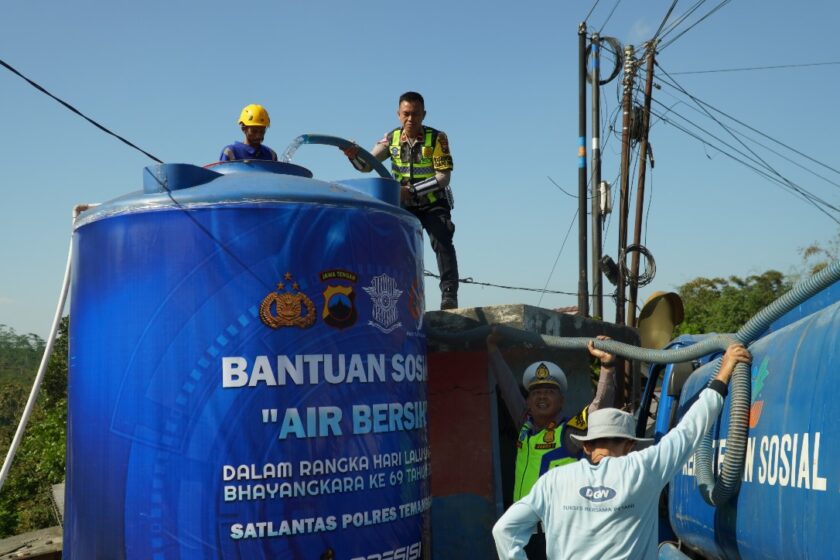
597,494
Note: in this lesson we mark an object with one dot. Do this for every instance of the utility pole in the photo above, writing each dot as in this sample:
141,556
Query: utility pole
627,104
583,279
597,278
624,382
640,192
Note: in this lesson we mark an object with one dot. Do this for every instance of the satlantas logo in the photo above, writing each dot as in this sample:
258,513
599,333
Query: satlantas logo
339,299
287,308
384,295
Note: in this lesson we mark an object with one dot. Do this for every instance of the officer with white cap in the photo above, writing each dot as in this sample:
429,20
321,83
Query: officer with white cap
606,506
544,440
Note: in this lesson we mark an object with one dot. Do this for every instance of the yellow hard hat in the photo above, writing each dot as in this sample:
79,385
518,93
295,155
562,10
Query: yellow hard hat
254,115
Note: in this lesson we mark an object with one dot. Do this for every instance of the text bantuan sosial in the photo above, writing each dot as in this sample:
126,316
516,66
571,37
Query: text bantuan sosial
314,369
327,421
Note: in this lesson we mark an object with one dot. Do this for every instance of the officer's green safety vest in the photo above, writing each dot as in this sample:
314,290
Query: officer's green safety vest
414,172
536,454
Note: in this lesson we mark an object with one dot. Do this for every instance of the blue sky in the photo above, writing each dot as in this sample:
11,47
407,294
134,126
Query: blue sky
499,77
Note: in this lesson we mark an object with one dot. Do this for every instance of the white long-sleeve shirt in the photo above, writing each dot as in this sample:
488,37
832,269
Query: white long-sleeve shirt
608,510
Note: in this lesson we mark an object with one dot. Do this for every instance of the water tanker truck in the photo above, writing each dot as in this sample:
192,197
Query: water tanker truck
786,489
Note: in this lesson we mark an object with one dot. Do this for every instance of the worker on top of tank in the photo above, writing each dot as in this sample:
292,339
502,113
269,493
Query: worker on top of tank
545,437
253,121
606,506
422,163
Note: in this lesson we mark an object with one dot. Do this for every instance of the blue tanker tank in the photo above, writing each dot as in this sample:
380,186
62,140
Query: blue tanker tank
786,504
247,370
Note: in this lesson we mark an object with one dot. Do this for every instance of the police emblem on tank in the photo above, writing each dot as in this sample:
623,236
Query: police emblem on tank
339,299
384,295
287,308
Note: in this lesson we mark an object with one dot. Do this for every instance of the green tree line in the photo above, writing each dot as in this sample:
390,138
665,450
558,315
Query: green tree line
25,500
724,305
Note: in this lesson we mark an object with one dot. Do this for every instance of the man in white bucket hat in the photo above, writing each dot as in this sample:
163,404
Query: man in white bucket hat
545,435
606,506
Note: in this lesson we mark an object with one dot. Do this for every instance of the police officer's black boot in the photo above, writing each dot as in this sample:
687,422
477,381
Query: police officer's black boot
448,299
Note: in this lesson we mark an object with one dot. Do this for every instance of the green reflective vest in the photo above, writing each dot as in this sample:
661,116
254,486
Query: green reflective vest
537,453
409,165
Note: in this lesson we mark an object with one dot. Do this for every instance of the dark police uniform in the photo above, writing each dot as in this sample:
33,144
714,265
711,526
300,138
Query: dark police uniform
415,160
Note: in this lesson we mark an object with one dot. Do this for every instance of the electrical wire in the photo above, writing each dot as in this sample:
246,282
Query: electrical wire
609,16
681,19
809,197
165,188
592,9
639,280
470,280
752,68
760,133
567,193
73,109
757,159
776,152
572,222
664,20
695,24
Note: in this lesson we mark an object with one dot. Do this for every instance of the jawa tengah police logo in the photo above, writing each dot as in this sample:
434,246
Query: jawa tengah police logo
384,294
287,308
339,299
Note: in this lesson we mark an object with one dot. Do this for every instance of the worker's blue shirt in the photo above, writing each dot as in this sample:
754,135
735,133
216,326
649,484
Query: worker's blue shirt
240,150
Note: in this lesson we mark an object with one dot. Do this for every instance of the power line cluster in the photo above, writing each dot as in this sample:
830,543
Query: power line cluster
741,146
734,142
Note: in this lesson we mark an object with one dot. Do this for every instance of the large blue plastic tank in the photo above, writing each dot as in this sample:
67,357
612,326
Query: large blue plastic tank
247,370
788,500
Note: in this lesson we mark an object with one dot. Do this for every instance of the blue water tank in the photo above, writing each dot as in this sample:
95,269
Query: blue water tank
247,370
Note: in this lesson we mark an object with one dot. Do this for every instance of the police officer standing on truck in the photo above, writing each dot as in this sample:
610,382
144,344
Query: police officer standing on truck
421,162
